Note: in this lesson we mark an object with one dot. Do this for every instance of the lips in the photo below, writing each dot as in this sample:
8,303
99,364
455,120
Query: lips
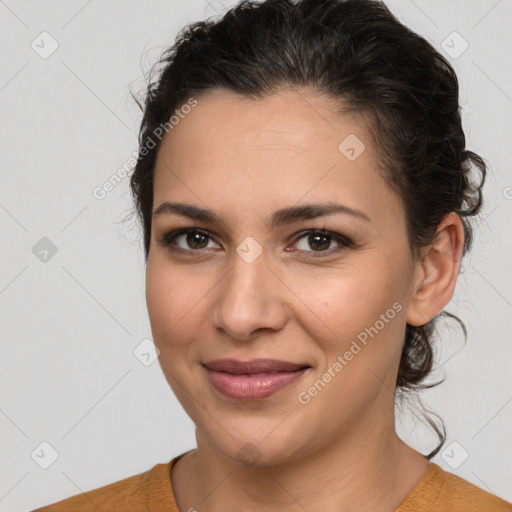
251,380
256,366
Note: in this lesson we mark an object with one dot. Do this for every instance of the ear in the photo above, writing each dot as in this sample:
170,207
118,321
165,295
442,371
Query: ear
437,271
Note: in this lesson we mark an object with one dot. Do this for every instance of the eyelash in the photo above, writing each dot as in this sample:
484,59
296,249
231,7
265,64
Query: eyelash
344,242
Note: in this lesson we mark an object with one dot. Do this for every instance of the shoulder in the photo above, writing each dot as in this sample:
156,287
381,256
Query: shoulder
442,491
463,495
133,493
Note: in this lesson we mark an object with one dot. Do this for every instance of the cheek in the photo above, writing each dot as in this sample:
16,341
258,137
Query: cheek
173,303
362,305
173,309
359,356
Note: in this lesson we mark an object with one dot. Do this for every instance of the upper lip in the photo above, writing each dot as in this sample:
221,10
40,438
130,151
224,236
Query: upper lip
255,366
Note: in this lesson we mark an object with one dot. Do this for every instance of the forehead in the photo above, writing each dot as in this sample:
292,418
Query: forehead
297,119
271,151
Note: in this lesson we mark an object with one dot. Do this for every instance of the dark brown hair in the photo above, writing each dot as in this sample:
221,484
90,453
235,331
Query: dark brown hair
357,52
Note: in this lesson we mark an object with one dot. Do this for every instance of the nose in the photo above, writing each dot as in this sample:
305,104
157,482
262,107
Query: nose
251,299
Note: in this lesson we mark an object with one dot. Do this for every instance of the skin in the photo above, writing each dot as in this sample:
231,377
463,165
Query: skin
245,159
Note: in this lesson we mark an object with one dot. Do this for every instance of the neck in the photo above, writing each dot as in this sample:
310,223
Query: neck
371,466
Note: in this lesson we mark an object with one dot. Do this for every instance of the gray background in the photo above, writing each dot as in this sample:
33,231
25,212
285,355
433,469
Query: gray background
70,324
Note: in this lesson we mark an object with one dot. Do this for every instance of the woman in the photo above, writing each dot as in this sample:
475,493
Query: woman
304,189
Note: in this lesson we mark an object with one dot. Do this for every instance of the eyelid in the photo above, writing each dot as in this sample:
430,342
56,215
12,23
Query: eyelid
343,242
169,237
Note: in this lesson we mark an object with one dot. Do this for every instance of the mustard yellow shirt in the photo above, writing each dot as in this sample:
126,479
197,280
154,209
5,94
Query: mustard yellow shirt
437,491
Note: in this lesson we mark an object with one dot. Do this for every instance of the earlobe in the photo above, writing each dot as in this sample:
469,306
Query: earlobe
436,272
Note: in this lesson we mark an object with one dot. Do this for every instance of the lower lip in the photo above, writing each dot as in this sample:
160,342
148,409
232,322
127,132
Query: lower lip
252,387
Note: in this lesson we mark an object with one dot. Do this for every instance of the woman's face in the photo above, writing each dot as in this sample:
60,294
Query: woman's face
255,283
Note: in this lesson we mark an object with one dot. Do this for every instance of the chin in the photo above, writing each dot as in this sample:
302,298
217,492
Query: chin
256,443
259,454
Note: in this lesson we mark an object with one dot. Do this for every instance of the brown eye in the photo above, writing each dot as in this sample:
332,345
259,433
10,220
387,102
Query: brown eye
195,240
316,242
320,241
192,239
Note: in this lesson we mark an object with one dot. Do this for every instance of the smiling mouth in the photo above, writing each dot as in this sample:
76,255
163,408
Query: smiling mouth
253,380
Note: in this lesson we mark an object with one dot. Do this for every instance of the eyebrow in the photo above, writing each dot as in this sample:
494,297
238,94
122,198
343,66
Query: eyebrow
279,218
